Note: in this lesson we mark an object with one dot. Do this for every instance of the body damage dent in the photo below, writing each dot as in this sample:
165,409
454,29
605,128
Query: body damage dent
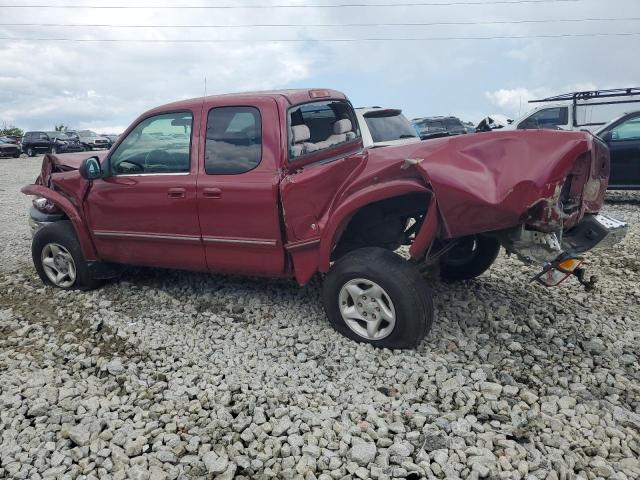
71,212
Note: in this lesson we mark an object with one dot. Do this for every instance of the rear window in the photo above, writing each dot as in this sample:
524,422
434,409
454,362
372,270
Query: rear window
386,128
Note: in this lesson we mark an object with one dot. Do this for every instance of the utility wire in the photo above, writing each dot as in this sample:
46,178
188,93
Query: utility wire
317,40
280,25
249,7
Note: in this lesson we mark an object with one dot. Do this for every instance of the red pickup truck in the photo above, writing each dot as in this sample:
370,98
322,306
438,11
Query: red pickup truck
278,184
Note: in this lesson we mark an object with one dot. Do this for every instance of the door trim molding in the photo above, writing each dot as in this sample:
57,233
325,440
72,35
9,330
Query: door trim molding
145,236
258,242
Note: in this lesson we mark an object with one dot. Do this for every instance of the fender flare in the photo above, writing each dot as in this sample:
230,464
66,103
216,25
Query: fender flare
341,215
64,204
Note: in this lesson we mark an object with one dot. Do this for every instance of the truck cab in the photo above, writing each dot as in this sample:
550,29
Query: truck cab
280,184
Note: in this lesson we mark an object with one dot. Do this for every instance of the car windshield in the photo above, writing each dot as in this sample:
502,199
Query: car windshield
387,127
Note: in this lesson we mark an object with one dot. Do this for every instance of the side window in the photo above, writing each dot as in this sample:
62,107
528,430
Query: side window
43,136
629,130
158,144
320,125
234,140
549,118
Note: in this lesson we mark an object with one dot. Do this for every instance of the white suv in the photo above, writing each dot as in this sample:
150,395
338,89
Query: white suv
382,127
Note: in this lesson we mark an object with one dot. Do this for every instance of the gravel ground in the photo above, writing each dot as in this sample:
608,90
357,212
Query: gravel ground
180,375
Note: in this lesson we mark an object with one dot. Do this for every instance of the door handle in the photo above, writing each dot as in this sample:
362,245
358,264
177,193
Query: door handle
211,192
176,193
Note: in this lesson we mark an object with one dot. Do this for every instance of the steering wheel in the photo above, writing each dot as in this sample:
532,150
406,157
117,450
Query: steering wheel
160,156
136,166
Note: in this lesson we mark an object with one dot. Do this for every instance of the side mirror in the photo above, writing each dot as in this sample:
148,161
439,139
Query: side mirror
90,168
607,137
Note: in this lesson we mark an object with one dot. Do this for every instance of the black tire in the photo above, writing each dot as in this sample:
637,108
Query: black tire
30,152
470,258
410,296
17,155
62,233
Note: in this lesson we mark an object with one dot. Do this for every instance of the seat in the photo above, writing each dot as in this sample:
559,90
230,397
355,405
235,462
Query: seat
301,134
342,132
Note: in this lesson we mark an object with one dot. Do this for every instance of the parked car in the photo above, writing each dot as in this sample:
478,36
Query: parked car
493,122
622,136
11,139
92,141
382,127
435,127
278,184
588,110
37,142
112,139
8,149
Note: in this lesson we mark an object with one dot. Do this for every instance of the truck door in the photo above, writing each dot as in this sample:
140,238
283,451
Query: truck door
238,200
624,144
325,149
145,211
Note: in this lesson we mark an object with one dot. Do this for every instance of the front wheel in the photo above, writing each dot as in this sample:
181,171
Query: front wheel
374,296
469,258
58,258
30,152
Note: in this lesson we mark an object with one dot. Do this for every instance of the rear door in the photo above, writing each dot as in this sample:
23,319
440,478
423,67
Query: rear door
145,212
238,199
325,149
624,144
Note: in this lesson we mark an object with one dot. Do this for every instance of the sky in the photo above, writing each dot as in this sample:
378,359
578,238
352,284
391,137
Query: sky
104,86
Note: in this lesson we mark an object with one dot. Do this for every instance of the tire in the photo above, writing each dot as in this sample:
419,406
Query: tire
30,152
54,150
403,293
57,242
470,259
17,155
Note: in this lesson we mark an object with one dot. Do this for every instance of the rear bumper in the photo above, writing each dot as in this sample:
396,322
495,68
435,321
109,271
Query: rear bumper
594,232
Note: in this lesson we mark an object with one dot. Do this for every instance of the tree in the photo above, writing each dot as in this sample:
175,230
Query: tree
10,130
61,128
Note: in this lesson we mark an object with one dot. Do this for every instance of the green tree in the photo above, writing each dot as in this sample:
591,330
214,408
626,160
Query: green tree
10,130
61,128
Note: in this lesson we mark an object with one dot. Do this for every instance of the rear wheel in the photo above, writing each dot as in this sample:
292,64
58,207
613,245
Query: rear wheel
58,258
471,257
374,296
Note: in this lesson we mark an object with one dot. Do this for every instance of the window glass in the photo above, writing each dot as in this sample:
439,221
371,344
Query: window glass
629,130
159,144
549,118
234,140
320,125
390,127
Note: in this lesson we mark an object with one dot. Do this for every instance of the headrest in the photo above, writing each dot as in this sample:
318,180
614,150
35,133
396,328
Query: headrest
300,133
342,126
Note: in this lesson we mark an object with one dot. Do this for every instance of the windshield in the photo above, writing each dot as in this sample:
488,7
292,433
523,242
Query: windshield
389,127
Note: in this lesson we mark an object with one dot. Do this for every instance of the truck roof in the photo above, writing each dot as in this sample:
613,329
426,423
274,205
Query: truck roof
292,97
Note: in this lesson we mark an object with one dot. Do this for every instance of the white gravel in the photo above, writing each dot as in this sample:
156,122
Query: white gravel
171,375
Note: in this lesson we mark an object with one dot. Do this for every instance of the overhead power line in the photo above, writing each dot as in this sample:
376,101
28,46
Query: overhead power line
306,25
317,40
267,6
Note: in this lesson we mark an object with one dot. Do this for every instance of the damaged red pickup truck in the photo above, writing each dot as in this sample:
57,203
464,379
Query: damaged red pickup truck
278,184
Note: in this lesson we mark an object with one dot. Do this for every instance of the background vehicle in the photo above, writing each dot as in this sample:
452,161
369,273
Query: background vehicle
279,184
92,141
60,142
622,136
493,122
382,127
435,127
8,149
112,139
34,143
588,110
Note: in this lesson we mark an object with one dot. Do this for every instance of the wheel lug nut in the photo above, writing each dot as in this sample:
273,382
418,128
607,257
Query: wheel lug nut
360,305
364,314
377,309
364,297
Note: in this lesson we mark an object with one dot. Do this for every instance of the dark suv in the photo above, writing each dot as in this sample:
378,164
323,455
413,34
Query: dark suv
49,142
435,127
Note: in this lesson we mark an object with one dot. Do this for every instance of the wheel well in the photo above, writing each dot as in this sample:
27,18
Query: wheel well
385,223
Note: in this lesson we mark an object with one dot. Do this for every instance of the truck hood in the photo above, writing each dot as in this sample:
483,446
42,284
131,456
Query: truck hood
491,181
